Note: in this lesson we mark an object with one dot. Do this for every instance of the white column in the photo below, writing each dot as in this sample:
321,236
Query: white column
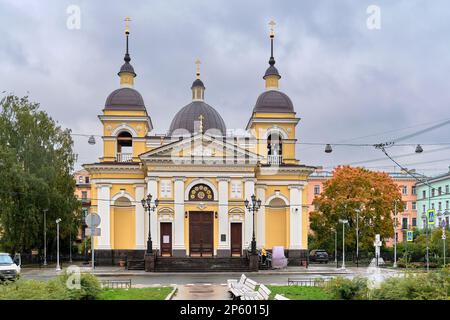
140,216
261,217
295,217
103,208
249,190
152,188
178,239
223,214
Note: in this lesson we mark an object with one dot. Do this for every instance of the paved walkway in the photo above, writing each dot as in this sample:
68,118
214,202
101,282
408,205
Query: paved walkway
202,292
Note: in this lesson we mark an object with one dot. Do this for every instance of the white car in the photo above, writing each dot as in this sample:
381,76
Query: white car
8,269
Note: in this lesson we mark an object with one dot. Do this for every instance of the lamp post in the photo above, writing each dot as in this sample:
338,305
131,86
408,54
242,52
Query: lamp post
395,234
357,237
443,225
335,247
45,237
425,221
148,206
343,221
58,267
253,207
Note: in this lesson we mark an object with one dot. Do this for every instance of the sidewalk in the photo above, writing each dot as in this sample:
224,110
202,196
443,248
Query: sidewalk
118,271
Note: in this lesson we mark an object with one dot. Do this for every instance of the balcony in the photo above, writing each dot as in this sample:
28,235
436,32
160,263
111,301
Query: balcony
124,157
274,159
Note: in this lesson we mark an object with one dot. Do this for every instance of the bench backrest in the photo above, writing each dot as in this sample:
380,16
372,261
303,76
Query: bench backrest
242,280
250,284
263,292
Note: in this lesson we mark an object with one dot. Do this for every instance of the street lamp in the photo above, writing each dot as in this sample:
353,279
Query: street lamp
148,206
425,222
357,236
395,234
335,247
443,225
253,207
45,237
343,221
58,267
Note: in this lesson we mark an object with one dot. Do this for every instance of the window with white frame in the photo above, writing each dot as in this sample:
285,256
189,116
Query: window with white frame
413,190
236,189
447,189
406,206
424,194
439,206
424,208
404,190
432,205
166,188
446,205
414,205
317,189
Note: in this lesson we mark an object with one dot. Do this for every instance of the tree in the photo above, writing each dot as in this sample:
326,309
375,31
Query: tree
36,161
352,189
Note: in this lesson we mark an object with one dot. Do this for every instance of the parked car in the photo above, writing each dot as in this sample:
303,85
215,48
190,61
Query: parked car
9,270
318,255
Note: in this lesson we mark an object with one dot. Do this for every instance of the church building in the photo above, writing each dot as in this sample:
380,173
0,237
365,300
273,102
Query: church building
201,176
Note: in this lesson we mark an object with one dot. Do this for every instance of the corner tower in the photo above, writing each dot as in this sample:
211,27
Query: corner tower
273,120
125,119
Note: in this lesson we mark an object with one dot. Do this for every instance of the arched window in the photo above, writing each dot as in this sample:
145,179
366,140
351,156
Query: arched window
274,148
124,147
201,192
122,202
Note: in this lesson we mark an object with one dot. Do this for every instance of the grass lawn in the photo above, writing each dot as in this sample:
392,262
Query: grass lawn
300,293
159,293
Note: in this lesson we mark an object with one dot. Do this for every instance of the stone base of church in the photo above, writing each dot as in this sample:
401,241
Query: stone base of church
112,257
149,261
223,253
179,253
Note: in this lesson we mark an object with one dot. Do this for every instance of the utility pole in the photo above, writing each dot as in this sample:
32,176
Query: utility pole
343,221
357,238
58,267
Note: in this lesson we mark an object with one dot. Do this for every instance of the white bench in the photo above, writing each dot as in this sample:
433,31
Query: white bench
249,286
263,293
280,297
233,283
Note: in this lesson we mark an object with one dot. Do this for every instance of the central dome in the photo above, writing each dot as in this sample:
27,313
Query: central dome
189,116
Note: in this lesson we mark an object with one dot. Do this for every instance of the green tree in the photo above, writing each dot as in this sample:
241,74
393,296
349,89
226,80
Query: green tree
36,161
352,189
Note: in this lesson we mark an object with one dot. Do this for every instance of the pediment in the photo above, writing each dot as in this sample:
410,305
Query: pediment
201,147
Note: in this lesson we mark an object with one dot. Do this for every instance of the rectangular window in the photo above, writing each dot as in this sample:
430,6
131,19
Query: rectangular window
236,189
414,205
86,179
404,190
413,190
439,190
424,194
424,208
446,205
414,222
406,206
405,223
316,189
432,205
166,188
433,192
447,189
80,179
439,206
84,195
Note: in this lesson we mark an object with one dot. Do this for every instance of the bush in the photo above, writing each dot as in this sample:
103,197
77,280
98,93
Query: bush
346,289
427,286
55,289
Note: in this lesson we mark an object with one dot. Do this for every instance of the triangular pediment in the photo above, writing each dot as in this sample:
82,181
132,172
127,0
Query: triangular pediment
201,147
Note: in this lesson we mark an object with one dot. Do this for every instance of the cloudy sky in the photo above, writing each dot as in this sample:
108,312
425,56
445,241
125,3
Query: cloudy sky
348,83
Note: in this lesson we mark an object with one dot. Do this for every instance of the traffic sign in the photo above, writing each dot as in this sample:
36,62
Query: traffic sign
92,220
93,232
431,215
409,236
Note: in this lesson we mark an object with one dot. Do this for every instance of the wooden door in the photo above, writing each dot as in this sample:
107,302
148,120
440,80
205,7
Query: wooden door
201,226
236,239
166,238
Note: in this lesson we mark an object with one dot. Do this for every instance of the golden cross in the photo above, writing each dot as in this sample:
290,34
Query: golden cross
197,62
272,25
127,20
201,122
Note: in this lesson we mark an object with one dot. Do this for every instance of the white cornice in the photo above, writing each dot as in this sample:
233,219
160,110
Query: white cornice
122,181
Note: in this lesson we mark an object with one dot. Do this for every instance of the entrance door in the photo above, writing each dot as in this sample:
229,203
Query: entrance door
166,239
201,233
236,239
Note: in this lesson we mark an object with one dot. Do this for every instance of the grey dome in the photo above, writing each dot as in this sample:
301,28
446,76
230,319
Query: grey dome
272,71
126,67
188,115
273,101
125,99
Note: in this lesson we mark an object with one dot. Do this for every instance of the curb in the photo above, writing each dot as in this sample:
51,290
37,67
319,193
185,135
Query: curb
170,296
